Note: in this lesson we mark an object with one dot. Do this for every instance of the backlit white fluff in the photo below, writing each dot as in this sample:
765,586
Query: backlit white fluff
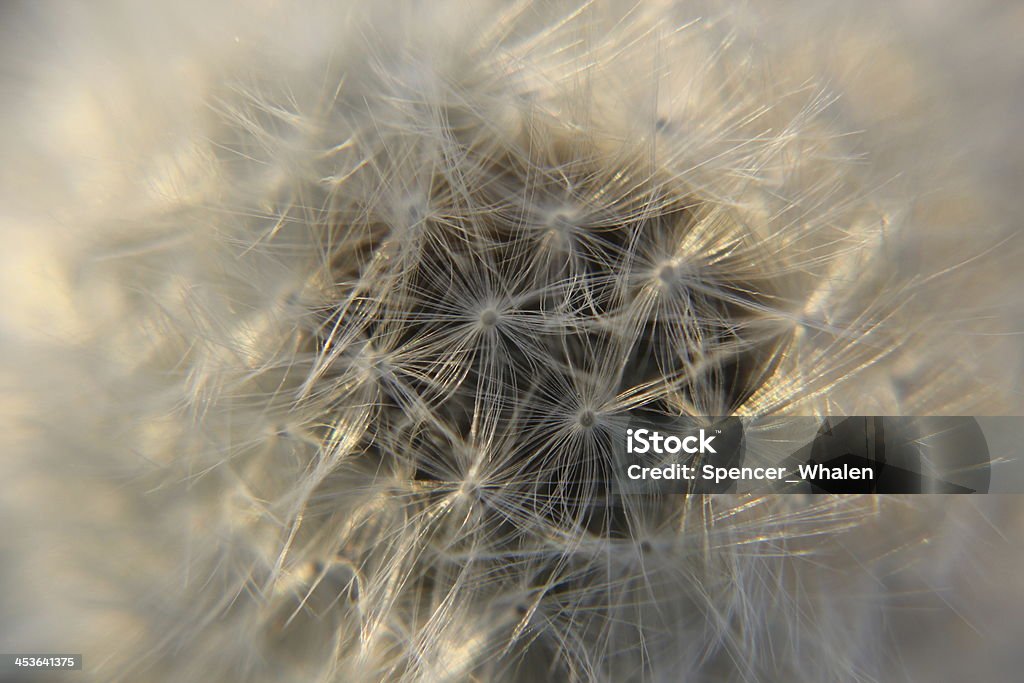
345,306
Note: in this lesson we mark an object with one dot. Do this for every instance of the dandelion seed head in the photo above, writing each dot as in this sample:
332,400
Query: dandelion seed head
372,353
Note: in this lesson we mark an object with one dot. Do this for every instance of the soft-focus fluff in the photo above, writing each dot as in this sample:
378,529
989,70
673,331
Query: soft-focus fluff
328,316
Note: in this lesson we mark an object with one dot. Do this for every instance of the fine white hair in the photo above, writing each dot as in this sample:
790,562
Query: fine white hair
321,318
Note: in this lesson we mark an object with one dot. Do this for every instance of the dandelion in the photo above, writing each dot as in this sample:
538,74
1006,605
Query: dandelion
377,330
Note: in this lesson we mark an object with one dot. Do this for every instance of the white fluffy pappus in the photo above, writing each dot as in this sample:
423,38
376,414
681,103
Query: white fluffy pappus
340,308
